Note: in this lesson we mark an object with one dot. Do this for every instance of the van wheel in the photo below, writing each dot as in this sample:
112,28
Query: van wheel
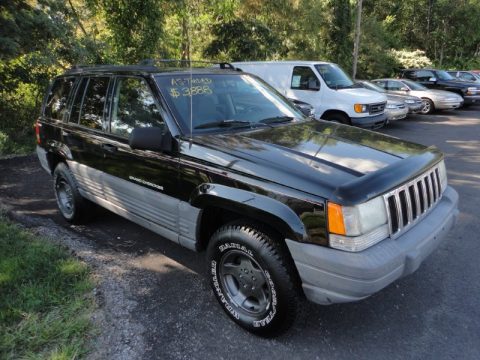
428,106
252,279
339,118
73,207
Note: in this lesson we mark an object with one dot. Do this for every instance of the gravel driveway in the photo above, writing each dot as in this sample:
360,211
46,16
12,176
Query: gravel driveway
156,304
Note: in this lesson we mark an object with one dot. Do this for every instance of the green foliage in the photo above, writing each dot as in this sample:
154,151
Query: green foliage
239,40
44,309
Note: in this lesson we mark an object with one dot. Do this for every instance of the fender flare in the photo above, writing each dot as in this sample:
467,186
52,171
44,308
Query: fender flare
270,211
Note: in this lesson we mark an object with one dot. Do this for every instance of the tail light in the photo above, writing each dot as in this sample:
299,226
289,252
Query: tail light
37,131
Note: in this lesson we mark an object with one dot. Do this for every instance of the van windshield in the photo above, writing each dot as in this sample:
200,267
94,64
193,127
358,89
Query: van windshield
218,102
334,76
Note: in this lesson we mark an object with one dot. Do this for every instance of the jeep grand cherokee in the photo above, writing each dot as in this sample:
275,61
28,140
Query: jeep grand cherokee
216,160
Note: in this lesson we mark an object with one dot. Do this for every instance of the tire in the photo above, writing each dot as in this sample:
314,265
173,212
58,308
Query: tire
73,207
428,106
252,279
339,118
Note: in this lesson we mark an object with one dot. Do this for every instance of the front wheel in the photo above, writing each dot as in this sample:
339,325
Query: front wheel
428,106
252,279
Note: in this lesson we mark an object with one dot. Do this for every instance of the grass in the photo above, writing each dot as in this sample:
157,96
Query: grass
45,301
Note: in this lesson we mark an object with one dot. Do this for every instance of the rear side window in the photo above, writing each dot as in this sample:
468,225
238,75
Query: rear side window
133,106
381,83
303,78
93,106
56,104
77,102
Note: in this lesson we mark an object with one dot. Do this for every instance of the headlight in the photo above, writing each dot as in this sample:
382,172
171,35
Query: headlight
442,173
472,90
408,101
391,106
355,228
360,108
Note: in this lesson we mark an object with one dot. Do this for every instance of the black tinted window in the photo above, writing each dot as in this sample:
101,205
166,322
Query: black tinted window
424,75
303,78
77,102
56,104
94,103
133,106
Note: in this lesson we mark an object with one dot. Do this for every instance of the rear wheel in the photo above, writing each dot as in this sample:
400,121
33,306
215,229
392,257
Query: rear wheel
73,207
252,279
428,106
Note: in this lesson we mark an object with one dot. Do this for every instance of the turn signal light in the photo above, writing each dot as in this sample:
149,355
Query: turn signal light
37,131
335,219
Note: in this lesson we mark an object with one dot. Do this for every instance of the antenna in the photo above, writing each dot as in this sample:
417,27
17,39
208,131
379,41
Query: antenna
191,96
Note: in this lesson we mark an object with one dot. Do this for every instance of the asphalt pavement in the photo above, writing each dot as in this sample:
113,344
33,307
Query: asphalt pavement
432,314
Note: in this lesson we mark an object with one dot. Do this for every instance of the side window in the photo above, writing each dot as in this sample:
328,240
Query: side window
424,75
467,76
133,106
395,85
77,102
381,83
303,78
93,106
56,104
409,74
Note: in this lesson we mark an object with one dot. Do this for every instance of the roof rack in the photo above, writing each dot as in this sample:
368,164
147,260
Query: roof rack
186,63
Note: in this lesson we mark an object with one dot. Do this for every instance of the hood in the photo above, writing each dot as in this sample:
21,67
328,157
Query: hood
363,96
315,157
402,98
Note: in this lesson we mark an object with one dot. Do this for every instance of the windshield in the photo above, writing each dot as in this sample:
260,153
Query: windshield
414,85
443,75
334,76
371,86
219,101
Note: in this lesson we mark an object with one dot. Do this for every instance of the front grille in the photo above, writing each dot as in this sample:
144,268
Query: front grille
376,108
408,203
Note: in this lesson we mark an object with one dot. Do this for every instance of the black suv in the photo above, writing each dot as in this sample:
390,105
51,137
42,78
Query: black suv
214,159
440,79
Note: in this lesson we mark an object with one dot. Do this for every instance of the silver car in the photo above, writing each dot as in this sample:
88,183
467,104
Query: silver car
432,99
413,103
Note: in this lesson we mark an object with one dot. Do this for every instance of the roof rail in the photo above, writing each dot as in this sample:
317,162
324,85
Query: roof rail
187,63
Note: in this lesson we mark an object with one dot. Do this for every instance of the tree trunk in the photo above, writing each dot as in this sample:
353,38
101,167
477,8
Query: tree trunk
356,44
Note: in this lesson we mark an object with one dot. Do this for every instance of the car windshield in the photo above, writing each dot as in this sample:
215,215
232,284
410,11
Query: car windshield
334,76
414,85
443,75
206,102
371,86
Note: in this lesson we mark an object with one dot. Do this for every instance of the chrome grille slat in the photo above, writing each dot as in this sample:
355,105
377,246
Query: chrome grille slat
411,201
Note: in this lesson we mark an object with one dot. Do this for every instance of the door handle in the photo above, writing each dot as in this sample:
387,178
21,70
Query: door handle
109,147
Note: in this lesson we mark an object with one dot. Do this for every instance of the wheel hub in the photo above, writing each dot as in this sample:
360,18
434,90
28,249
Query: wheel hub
244,281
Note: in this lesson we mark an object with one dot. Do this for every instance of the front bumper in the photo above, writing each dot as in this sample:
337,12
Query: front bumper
447,105
370,121
396,114
415,108
333,276
471,99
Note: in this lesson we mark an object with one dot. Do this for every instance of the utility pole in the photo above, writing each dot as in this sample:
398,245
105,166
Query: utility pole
356,44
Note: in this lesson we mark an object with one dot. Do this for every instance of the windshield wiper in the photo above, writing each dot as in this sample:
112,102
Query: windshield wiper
276,120
223,123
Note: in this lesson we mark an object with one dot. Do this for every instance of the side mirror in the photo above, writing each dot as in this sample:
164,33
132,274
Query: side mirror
433,79
151,138
305,108
404,88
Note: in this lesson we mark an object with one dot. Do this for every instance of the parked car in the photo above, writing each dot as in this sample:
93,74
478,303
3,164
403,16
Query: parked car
324,85
442,80
413,103
466,76
432,99
215,159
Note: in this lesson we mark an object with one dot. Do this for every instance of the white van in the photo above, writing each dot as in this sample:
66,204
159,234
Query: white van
326,87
